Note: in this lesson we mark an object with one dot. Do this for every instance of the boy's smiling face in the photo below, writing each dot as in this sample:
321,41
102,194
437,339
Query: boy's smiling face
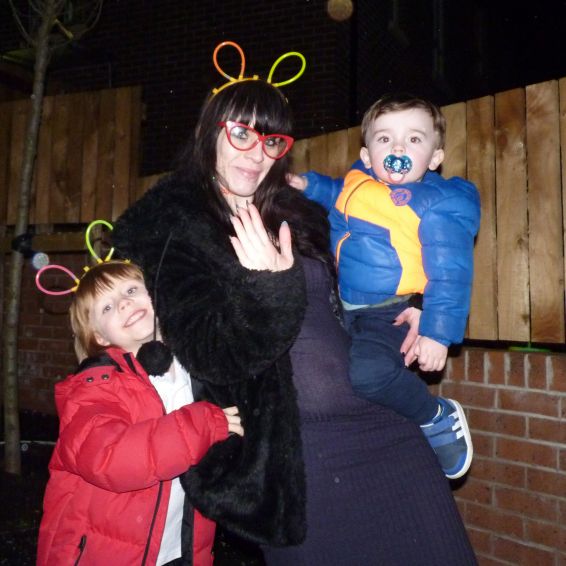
123,315
404,132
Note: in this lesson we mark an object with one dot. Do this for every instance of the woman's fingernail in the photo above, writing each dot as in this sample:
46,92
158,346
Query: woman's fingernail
284,222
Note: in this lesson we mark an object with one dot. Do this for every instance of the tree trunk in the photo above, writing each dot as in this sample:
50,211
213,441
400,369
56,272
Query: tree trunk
10,341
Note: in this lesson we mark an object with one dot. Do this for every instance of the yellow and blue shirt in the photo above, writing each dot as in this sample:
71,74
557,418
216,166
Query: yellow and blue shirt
397,240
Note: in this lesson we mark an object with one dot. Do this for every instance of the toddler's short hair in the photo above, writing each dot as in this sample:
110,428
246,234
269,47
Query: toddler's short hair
97,279
399,102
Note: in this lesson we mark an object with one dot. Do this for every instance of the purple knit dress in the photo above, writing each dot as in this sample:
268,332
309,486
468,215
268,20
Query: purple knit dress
376,495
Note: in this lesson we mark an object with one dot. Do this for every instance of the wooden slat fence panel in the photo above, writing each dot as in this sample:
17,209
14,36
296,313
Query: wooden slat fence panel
480,149
512,229
42,177
562,109
546,262
88,153
508,144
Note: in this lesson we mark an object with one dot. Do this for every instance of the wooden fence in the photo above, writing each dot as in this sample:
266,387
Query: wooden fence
509,144
87,161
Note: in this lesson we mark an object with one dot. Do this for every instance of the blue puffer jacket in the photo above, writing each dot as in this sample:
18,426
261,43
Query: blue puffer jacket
415,238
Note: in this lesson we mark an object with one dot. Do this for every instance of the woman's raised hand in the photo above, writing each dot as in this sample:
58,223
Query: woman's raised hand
254,247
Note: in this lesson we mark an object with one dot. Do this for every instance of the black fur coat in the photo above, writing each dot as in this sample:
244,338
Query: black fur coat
231,328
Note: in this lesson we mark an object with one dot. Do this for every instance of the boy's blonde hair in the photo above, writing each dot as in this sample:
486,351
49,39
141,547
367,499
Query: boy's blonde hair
97,279
399,102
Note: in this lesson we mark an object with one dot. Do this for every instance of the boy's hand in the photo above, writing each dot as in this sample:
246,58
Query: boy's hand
296,181
234,422
430,353
411,316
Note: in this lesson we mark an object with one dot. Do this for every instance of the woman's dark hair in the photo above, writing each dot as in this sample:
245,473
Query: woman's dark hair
258,103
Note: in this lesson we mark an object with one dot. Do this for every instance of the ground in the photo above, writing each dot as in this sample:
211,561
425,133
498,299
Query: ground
21,497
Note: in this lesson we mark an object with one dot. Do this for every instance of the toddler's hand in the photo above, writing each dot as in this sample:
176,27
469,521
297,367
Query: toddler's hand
431,354
234,422
412,317
297,181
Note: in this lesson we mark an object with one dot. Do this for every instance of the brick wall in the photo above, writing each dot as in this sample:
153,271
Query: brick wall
514,498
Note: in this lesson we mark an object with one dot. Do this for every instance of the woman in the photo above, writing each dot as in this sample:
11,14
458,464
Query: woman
321,476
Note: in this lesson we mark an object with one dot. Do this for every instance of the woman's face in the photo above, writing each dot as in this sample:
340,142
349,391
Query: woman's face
240,172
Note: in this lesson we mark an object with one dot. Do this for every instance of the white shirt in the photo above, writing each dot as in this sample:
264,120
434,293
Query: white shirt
174,388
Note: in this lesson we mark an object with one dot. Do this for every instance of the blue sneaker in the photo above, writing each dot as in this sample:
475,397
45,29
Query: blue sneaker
449,436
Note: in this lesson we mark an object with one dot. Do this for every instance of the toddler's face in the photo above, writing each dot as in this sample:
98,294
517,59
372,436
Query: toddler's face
123,315
405,132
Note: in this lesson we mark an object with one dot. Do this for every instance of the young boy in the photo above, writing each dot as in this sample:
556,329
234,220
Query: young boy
114,495
399,230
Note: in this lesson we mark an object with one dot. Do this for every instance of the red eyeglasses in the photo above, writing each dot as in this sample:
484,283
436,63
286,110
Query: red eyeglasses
243,137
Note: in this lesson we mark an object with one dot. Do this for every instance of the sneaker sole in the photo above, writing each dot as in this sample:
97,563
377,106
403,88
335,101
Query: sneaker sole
468,438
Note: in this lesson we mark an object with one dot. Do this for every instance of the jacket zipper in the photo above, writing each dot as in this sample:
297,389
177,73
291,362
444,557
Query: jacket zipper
81,547
157,503
347,218
160,491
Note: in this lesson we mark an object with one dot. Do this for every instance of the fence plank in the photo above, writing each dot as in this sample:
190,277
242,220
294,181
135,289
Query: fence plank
318,150
43,163
455,150
123,139
354,144
19,126
300,155
74,164
562,109
135,128
512,234
480,149
90,156
545,213
106,148
5,149
337,162
59,148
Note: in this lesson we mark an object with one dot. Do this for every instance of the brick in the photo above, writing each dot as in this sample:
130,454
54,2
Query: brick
536,371
544,481
523,401
494,520
502,473
520,554
547,534
558,377
476,363
549,430
470,394
528,452
481,540
496,367
527,503
497,422
484,445
475,491
458,365
516,375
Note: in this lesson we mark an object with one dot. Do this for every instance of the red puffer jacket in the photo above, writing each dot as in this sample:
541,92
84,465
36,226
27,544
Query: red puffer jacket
111,470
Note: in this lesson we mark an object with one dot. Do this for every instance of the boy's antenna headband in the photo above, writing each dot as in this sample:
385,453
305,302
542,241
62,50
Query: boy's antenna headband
86,268
242,78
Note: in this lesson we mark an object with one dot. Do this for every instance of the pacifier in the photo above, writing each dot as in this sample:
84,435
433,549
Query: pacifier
397,164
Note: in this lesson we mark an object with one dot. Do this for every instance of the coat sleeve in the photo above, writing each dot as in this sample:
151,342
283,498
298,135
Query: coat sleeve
447,233
323,189
224,322
100,441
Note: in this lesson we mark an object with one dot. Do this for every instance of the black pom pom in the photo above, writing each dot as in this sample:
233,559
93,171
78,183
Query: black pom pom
155,357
